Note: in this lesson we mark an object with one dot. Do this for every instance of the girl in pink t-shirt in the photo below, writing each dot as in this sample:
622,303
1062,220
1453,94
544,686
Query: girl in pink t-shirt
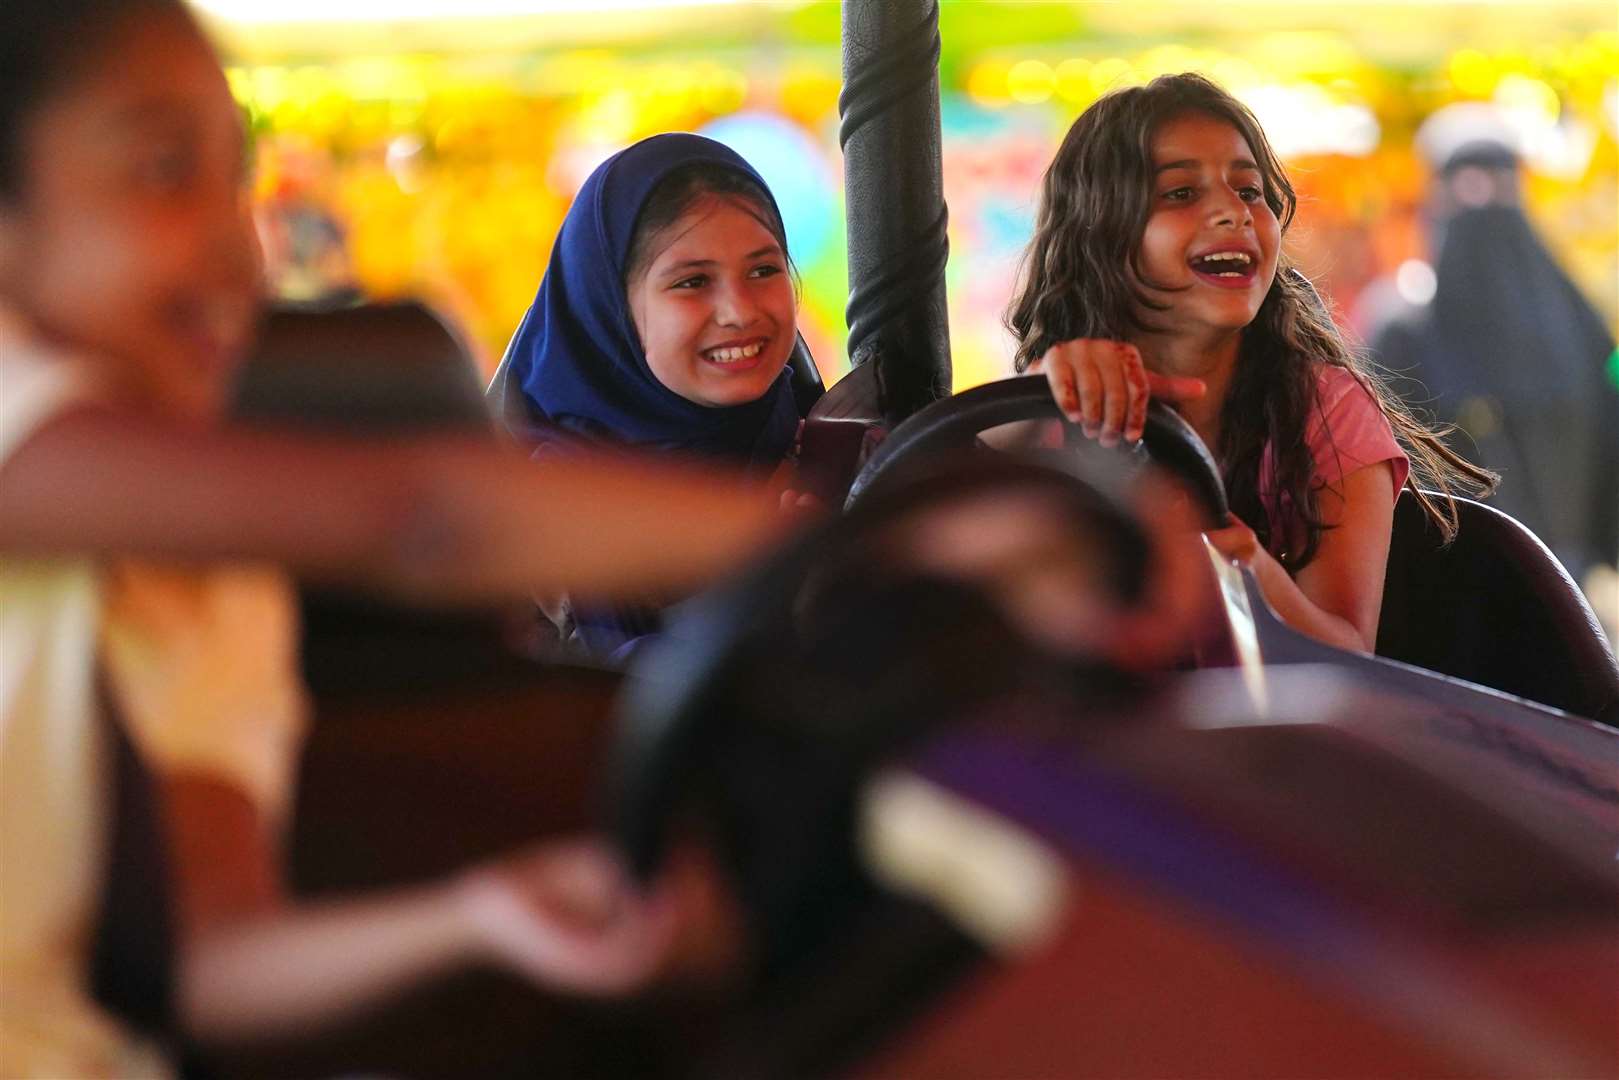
1156,270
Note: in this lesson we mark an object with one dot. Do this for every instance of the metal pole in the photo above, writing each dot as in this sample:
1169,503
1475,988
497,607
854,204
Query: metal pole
894,189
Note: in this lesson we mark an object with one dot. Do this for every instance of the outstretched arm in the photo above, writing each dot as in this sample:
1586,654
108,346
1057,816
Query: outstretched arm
448,518
254,966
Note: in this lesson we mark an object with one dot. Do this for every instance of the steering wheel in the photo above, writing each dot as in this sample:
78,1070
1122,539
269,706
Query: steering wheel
800,620
955,422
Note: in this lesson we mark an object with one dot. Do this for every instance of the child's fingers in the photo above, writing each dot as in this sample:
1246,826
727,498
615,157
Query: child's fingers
1100,385
1175,387
568,916
1235,541
1089,381
801,504
1060,377
1115,401
1135,375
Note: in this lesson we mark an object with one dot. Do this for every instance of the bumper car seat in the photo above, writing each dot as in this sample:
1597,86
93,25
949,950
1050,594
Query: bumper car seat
1496,608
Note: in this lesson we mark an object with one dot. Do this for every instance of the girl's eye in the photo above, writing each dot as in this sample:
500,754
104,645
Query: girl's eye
167,170
1251,194
765,270
696,281
1180,194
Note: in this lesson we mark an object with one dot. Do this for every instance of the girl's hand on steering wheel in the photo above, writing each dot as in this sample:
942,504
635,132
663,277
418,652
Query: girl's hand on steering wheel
1236,542
1104,387
802,504
795,502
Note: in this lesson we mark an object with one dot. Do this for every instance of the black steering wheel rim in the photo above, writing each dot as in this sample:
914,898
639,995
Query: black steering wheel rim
954,422
673,701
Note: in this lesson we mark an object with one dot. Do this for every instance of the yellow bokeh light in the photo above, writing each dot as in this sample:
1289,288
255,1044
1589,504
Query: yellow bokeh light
1236,74
269,86
987,83
1031,82
1074,81
1472,72
1530,95
1111,74
723,90
1169,59
809,93
1301,54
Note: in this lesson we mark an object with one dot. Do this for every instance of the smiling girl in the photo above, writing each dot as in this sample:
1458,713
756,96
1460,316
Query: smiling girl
1156,269
665,320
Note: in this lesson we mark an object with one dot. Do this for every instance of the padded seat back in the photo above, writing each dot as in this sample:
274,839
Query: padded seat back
368,368
840,432
1494,608
375,370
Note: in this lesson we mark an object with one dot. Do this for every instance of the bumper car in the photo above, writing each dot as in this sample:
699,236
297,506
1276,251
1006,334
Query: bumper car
954,852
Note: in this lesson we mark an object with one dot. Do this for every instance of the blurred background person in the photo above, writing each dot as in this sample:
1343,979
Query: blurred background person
1509,350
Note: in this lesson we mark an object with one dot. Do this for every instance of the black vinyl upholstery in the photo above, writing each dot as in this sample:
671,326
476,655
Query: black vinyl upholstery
1495,608
372,368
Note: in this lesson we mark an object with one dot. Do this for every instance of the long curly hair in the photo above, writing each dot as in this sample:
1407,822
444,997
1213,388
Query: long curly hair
1078,280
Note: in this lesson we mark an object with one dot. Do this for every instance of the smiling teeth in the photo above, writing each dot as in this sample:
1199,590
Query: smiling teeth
732,355
1237,258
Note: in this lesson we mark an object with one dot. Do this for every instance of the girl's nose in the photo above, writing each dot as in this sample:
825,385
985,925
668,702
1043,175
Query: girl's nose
734,306
235,254
244,249
1230,209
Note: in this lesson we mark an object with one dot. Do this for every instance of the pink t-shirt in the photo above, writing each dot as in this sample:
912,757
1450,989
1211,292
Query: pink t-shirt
1345,432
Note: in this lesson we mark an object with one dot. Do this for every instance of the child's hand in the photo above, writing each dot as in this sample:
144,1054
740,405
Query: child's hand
801,504
1236,542
566,916
794,502
1104,387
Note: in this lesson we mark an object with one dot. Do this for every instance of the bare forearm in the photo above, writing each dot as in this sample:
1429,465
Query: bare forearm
283,973
442,518
254,966
1337,597
1301,613
613,527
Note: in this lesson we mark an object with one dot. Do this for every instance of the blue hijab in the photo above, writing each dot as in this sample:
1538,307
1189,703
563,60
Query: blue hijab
576,356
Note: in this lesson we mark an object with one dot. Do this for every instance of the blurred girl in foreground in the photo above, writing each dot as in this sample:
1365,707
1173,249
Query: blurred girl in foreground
128,291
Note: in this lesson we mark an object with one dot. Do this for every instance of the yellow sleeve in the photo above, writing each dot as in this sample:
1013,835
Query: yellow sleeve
203,664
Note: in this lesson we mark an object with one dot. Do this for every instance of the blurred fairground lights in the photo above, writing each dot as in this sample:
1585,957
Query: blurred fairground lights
430,147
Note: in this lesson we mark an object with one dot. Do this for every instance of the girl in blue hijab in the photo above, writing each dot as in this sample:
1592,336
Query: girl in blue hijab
665,320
